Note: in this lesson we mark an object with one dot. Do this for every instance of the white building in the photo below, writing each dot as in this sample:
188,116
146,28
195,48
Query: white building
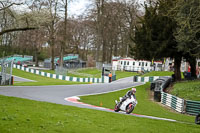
129,64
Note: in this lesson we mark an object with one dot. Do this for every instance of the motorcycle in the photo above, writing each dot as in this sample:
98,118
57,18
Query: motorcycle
127,106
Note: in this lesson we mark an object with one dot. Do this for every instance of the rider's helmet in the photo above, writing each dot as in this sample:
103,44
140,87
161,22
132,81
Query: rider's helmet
134,90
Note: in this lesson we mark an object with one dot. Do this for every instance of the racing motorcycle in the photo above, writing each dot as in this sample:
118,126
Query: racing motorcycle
127,106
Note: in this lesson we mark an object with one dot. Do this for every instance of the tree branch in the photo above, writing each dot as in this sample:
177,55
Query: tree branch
17,29
4,8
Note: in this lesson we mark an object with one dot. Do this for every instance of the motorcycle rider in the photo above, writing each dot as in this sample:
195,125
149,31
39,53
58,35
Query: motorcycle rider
128,95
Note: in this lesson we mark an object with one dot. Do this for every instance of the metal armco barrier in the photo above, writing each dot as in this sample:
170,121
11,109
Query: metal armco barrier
145,79
173,102
192,107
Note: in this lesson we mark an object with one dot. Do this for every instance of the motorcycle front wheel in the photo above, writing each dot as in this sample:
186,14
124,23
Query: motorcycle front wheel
116,108
129,108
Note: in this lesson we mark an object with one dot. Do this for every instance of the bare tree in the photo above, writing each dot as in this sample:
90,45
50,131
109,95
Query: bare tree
113,20
5,8
52,8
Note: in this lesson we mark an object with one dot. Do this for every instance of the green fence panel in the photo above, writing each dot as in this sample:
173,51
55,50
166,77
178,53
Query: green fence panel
136,78
150,79
142,79
173,102
113,77
70,78
192,107
102,79
164,99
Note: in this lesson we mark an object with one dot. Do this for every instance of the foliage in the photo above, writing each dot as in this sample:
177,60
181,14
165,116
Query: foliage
154,37
187,16
186,13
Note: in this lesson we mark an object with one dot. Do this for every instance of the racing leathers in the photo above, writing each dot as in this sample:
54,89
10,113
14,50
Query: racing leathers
128,95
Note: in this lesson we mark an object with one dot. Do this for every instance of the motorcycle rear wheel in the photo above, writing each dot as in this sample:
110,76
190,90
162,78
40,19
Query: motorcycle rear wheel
129,108
197,119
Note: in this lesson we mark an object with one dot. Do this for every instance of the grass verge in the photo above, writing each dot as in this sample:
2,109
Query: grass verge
22,116
40,80
124,74
68,74
189,90
158,73
161,73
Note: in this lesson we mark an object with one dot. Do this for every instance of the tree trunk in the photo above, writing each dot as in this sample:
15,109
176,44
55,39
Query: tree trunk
64,35
104,52
97,53
52,54
192,62
177,65
115,48
61,56
36,58
111,51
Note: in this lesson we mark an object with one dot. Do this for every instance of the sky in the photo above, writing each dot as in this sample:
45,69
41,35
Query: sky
76,7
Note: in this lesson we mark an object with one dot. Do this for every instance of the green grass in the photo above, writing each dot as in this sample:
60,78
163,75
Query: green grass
68,74
24,116
158,73
93,72
161,73
96,73
189,90
124,74
144,106
40,80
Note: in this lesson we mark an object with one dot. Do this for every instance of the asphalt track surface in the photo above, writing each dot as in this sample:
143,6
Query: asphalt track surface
20,79
60,94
